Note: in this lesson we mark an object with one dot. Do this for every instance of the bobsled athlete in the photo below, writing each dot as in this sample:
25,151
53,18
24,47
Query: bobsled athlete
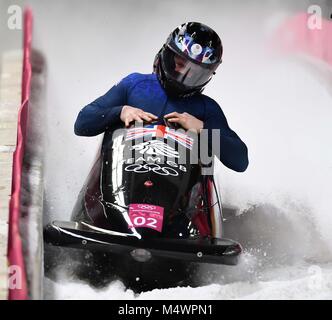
182,68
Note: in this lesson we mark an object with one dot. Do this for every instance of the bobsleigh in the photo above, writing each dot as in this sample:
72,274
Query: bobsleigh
146,202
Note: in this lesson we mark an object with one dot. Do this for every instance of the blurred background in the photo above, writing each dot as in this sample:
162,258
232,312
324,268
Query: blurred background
274,88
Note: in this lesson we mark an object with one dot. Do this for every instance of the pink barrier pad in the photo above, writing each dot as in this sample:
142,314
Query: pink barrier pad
294,35
15,251
144,215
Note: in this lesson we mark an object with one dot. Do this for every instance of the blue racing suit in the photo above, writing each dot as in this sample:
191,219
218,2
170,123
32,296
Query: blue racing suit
144,91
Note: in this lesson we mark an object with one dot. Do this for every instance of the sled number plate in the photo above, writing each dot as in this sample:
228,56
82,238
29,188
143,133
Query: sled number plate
144,215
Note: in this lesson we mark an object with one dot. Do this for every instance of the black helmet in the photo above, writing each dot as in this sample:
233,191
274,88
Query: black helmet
188,59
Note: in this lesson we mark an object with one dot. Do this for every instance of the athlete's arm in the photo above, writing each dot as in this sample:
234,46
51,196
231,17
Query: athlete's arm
233,151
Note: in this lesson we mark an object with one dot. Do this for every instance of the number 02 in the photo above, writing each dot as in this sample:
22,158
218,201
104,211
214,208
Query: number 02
140,221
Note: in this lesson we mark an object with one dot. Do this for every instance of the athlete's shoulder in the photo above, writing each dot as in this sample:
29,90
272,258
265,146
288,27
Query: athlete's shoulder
135,78
211,105
209,101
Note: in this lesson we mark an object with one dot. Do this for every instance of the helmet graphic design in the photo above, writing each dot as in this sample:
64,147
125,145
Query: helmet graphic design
188,59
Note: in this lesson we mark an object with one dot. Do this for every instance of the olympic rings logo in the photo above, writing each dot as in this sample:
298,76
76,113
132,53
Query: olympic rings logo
146,207
156,168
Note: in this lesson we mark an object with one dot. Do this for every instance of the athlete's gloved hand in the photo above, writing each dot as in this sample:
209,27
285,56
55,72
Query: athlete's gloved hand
186,120
129,114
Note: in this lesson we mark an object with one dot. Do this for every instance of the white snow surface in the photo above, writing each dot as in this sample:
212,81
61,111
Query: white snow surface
303,281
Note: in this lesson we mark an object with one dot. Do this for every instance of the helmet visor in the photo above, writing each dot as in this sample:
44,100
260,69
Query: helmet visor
185,71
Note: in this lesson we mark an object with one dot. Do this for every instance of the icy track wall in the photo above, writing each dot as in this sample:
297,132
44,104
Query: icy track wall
15,253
